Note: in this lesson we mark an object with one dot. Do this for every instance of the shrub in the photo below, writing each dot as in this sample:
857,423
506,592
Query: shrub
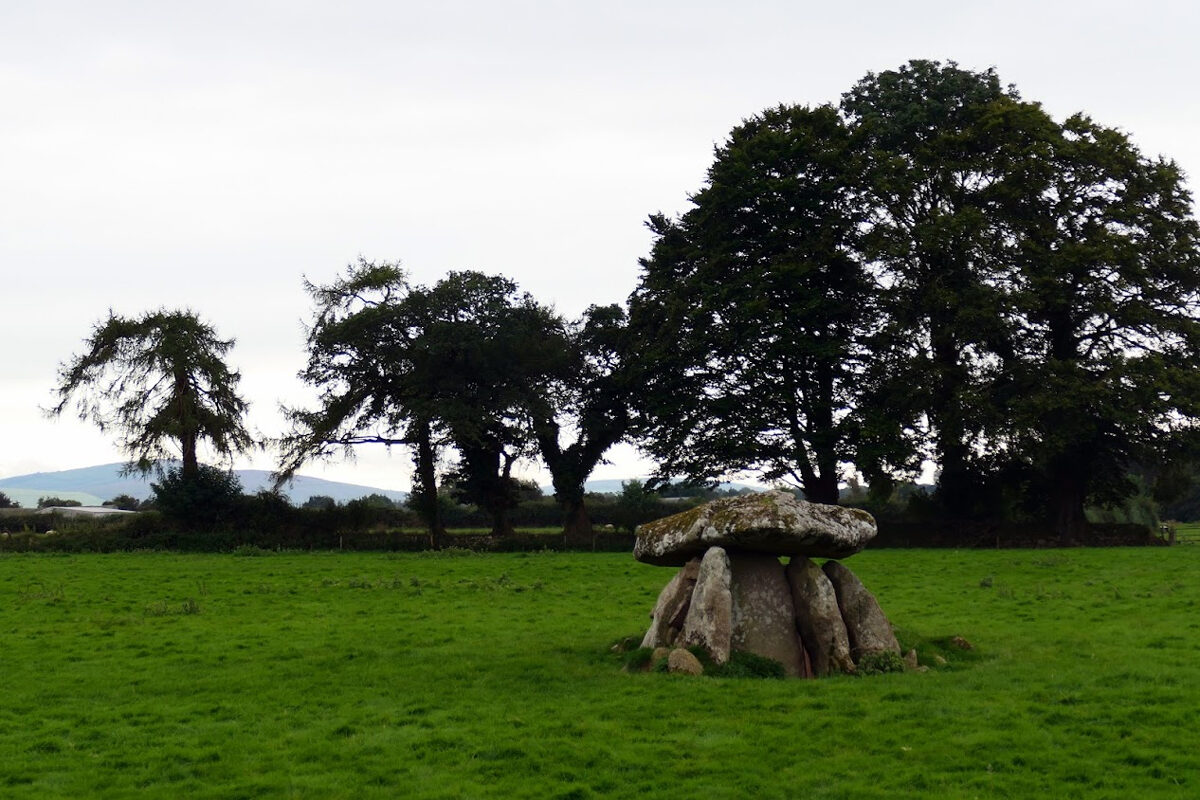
53,502
639,659
376,500
208,499
635,505
124,502
320,502
879,663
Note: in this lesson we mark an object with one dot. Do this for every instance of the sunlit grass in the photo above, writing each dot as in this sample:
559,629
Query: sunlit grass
360,675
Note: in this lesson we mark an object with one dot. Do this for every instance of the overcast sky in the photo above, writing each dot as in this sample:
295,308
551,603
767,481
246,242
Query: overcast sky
208,155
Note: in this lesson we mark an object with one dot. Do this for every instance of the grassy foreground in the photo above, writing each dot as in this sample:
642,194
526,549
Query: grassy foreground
369,675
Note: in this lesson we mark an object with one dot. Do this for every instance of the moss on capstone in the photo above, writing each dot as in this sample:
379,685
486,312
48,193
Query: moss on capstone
765,522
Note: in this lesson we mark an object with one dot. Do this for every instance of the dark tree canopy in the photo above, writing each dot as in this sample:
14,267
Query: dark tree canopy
158,380
583,410
930,138
359,358
1044,280
488,347
938,268
57,502
754,311
319,502
208,499
363,357
124,502
450,364
1104,314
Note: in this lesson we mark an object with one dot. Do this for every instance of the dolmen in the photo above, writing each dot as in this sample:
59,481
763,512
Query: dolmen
733,592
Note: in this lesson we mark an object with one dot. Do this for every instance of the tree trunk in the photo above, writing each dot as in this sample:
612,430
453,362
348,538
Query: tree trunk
957,486
190,470
1069,477
501,524
428,506
577,524
1069,494
486,472
824,439
822,488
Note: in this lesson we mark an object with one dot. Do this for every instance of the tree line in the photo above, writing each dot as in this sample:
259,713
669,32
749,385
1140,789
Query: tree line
933,269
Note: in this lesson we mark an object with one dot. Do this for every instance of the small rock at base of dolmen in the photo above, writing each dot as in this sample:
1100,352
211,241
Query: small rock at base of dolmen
764,618
774,522
684,662
709,620
818,618
672,606
866,626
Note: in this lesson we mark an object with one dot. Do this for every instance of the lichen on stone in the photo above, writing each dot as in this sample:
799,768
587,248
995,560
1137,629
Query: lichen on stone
768,522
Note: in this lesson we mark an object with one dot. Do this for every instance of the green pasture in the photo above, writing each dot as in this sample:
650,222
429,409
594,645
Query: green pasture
1187,532
457,676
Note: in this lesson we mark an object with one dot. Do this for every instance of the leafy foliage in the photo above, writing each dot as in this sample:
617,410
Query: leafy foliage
57,502
880,663
157,379
938,269
7,502
426,367
124,502
209,498
636,504
319,501
1105,315
588,397
376,500
930,136
753,310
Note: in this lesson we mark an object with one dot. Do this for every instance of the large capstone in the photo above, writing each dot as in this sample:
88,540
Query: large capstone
775,523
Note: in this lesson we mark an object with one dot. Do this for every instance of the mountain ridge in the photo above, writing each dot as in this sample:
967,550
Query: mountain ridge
93,485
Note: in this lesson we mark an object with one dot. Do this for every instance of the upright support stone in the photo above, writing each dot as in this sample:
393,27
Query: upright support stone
709,620
672,605
868,629
764,617
818,618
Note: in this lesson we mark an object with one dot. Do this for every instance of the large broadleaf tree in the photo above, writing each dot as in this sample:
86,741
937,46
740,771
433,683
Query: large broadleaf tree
754,314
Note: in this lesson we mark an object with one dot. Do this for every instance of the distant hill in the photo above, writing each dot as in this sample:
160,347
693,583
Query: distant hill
93,485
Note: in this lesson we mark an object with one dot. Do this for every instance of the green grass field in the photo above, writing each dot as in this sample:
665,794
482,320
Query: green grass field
371,675
1187,532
